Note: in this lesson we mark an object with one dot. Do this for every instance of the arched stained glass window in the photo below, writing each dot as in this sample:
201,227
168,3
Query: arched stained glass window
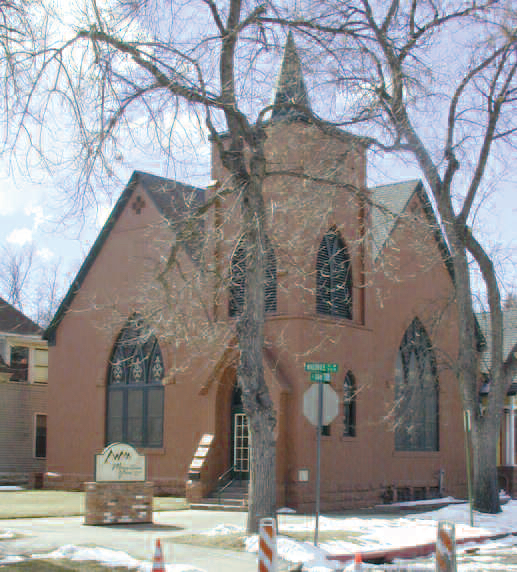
349,400
333,277
238,279
134,412
416,392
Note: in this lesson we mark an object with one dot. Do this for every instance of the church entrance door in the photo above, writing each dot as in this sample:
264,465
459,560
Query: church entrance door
241,449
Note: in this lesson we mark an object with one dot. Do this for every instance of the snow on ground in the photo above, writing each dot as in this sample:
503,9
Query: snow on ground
365,534
103,556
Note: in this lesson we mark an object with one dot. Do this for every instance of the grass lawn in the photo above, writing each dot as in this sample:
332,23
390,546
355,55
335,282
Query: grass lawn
60,566
33,504
236,541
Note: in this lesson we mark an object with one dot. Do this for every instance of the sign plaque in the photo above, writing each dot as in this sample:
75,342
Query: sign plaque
120,462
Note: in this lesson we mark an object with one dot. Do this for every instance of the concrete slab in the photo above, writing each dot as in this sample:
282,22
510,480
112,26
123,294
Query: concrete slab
41,535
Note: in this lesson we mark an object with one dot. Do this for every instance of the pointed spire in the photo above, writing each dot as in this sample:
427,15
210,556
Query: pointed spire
290,89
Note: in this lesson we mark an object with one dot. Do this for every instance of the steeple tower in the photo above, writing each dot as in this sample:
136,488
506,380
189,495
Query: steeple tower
290,89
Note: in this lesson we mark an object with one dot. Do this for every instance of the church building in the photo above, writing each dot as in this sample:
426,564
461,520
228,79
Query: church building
359,294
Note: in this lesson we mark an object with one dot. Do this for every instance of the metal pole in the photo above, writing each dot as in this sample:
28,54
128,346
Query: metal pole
318,460
466,423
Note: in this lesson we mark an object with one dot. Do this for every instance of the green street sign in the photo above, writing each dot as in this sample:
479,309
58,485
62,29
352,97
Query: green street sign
321,377
321,367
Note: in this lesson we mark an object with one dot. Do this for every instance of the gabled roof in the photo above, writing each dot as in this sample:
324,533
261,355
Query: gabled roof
388,204
509,339
12,321
172,199
290,89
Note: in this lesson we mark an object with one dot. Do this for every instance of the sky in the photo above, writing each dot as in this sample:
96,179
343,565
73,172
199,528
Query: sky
33,208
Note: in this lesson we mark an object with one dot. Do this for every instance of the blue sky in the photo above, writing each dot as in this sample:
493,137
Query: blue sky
34,210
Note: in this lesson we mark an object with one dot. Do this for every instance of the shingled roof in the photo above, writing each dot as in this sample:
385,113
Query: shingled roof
509,339
12,321
172,199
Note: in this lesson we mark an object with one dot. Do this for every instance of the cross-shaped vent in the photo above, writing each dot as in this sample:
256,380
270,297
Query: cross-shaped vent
138,204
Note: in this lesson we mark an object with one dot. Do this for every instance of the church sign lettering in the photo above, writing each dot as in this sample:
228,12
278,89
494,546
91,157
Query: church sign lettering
119,462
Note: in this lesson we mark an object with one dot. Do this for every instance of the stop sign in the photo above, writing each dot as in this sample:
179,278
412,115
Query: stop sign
330,401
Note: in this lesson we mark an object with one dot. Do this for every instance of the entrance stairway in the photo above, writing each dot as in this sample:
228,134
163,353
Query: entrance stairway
232,497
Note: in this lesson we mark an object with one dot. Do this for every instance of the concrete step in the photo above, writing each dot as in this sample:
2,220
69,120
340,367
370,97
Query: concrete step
216,506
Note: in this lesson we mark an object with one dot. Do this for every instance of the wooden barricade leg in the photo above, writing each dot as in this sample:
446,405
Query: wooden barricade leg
446,547
267,545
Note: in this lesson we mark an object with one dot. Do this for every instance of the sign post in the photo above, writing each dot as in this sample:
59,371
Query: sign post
325,411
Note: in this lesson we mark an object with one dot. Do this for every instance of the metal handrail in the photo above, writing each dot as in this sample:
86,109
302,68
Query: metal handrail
220,479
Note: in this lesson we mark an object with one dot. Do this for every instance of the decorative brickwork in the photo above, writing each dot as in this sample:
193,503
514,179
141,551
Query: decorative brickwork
119,503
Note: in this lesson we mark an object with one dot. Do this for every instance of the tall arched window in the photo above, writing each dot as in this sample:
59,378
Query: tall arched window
333,277
238,279
134,412
416,392
349,395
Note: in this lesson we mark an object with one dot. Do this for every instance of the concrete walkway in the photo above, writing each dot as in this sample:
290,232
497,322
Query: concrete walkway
42,535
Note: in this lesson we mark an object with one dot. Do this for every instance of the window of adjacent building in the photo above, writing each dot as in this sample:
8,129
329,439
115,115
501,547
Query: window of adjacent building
40,437
349,399
416,392
333,277
40,365
134,412
19,363
238,280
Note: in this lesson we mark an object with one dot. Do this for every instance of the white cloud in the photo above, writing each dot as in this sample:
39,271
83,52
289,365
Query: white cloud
37,212
20,236
45,253
103,212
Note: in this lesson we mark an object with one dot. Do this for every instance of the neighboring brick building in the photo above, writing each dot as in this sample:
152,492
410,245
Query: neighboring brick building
356,276
23,398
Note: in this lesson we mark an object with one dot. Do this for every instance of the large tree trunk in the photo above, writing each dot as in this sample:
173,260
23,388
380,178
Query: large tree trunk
484,457
262,495
257,401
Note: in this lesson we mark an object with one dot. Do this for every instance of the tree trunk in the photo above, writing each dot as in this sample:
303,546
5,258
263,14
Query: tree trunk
262,495
256,399
484,457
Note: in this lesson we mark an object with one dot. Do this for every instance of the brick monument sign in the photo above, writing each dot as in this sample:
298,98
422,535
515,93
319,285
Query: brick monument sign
120,493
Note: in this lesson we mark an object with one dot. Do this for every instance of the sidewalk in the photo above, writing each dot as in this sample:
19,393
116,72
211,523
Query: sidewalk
44,535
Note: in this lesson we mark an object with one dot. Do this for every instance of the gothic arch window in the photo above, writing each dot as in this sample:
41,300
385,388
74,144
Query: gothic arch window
238,279
349,401
333,277
416,392
134,412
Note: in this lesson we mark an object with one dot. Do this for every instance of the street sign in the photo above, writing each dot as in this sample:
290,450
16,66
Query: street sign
330,404
321,377
321,367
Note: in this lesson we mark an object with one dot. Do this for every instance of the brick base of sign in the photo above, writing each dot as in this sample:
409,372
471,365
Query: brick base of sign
119,503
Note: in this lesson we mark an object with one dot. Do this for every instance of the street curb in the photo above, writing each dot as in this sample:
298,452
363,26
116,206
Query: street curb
386,556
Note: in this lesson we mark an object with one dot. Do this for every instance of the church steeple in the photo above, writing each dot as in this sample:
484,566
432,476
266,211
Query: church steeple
290,89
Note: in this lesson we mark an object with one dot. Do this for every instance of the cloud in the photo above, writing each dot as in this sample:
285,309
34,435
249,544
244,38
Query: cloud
45,253
103,212
37,212
20,236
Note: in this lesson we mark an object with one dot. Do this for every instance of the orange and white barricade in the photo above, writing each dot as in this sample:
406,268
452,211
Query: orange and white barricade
446,547
267,545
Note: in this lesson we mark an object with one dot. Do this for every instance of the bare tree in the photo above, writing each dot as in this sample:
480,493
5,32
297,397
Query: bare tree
17,266
452,109
32,286
135,59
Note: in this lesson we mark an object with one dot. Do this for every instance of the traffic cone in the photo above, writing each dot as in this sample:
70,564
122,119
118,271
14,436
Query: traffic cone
358,560
158,565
